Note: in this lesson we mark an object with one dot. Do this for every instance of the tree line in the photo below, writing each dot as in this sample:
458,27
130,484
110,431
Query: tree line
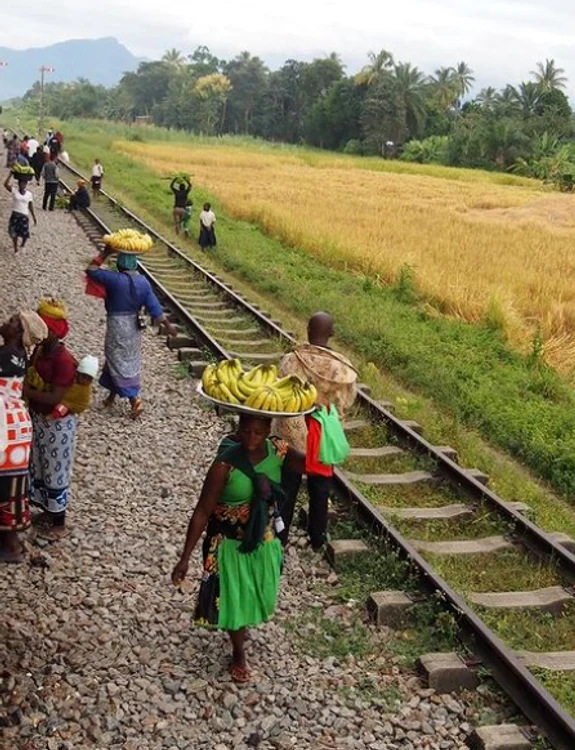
389,107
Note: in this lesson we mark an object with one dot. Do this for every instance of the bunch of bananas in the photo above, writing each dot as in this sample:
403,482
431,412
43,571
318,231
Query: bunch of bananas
21,172
258,388
129,241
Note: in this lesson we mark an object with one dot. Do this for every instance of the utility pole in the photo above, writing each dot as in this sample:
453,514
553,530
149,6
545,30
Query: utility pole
43,70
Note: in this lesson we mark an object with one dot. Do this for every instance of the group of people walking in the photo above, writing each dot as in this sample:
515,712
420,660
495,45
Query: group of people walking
246,505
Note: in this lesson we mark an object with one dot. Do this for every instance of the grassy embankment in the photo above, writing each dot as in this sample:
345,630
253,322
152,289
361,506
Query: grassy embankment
468,370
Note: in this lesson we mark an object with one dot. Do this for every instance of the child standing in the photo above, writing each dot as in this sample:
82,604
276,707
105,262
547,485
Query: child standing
207,234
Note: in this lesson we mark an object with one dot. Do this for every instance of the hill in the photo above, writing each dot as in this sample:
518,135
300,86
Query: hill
99,60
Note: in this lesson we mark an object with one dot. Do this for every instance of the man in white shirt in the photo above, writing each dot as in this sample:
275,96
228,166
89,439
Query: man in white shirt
22,209
32,147
97,174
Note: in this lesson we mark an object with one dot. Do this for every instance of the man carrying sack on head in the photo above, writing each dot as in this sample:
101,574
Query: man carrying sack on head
335,379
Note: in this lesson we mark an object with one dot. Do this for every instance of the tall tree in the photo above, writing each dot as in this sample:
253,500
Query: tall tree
248,76
444,90
548,76
464,79
174,58
379,64
410,87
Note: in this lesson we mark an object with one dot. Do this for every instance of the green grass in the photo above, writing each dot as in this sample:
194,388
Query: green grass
394,464
467,370
506,570
420,495
561,685
533,630
480,524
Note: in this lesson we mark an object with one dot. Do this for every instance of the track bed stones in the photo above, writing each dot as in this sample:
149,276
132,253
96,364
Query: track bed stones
447,672
551,599
500,737
464,547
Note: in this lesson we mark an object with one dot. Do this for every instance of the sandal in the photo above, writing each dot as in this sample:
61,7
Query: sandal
53,535
137,408
240,673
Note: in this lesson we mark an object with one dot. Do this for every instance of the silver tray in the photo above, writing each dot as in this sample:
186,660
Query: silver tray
241,409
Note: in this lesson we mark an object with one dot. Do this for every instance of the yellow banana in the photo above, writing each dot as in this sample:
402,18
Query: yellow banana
208,375
234,388
244,387
227,394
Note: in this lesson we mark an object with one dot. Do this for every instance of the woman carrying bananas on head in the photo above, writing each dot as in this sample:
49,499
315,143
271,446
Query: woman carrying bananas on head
242,554
126,292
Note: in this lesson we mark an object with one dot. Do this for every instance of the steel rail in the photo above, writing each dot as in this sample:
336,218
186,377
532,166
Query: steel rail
537,704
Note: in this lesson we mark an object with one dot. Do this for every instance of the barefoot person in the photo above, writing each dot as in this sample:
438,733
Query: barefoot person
22,209
126,293
335,379
242,555
19,334
52,372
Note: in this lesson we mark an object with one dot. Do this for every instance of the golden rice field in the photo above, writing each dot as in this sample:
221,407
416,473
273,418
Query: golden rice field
480,244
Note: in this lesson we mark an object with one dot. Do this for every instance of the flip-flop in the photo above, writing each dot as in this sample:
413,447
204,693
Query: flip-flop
51,536
240,673
137,408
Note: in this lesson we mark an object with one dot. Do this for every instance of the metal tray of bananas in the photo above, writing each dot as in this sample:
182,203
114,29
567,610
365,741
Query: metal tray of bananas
241,409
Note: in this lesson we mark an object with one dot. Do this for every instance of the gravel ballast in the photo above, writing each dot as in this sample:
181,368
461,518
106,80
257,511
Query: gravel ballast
96,647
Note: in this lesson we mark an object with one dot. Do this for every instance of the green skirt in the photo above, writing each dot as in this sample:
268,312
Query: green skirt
237,590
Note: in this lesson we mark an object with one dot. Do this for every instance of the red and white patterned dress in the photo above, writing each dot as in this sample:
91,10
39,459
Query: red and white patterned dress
15,443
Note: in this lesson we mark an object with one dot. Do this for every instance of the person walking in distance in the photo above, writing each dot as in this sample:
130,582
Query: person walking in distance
50,175
181,195
96,179
22,209
335,379
207,238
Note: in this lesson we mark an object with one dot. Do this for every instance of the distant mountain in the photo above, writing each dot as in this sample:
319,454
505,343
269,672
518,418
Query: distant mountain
99,60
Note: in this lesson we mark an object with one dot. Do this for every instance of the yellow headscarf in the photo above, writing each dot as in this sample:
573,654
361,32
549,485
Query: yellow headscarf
53,308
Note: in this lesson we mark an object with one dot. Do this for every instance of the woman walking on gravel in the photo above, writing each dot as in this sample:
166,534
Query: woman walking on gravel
52,372
22,209
126,292
242,555
20,333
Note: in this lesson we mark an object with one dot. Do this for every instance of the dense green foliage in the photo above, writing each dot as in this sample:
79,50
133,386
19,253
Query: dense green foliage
387,108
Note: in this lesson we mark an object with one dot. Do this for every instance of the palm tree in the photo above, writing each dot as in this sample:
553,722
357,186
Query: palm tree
487,97
464,79
548,76
508,102
174,58
526,97
411,88
379,64
444,87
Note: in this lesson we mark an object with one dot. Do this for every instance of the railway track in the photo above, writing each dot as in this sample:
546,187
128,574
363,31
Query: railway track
409,491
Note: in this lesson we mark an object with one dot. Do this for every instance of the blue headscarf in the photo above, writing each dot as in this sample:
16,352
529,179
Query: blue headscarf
127,262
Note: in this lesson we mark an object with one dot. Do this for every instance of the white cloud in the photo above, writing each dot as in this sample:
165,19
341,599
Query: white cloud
500,39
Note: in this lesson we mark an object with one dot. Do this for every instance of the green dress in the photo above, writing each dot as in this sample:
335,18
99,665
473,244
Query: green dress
240,589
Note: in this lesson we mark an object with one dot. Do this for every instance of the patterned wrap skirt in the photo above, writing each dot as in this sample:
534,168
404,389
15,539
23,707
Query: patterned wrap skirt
237,590
123,352
53,445
19,226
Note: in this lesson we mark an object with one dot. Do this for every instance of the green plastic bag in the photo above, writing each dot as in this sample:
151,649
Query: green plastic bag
333,447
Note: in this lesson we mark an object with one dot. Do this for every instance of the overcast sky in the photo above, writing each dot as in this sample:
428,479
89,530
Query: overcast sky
500,39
